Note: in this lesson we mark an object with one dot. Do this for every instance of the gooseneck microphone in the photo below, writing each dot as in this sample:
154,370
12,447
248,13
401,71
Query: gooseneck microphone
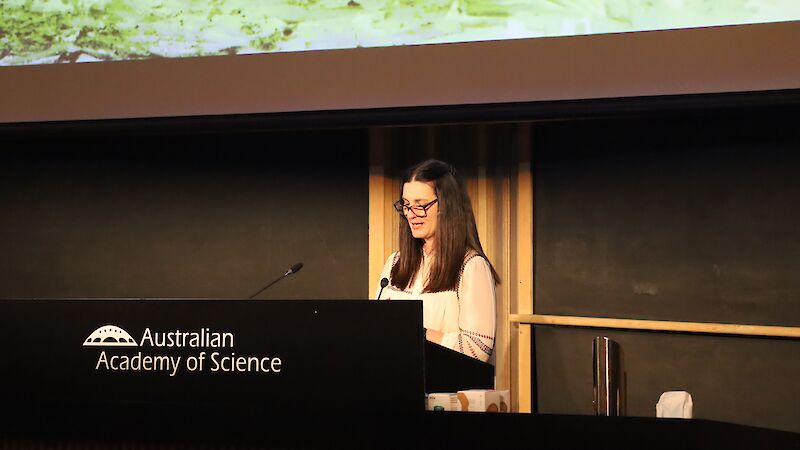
294,269
384,283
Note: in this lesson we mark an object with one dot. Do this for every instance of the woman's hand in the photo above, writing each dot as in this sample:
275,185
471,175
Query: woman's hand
434,336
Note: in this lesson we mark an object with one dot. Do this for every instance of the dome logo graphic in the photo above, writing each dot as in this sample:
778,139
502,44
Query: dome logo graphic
109,336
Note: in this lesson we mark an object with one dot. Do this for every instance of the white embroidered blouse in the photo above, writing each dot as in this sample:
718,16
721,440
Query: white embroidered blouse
465,316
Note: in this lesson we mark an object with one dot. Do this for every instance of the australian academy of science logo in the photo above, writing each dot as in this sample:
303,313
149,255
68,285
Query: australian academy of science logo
109,336
175,352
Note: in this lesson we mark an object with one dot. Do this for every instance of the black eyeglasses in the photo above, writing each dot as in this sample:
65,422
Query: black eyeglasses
417,210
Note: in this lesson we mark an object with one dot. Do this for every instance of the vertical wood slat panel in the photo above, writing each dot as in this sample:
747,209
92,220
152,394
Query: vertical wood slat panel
377,213
394,192
482,195
504,292
524,271
524,219
493,243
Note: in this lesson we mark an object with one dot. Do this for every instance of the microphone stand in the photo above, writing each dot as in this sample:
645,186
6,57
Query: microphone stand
291,270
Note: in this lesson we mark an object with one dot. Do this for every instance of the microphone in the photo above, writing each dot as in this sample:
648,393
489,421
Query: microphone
384,283
294,269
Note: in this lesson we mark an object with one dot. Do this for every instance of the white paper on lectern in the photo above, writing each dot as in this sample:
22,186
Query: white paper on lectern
675,404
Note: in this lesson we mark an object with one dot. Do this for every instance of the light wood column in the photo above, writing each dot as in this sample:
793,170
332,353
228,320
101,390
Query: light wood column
521,334
380,213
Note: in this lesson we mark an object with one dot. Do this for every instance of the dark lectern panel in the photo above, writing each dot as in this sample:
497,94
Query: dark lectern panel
432,430
447,370
276,359
731,379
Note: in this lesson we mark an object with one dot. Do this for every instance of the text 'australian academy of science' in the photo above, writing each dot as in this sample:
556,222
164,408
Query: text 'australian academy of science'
201,361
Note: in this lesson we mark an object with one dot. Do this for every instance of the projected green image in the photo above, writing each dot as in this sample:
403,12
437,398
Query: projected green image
54,31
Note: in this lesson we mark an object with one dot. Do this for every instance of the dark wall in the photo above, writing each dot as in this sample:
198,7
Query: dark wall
187,215
688,217
683,219
750,381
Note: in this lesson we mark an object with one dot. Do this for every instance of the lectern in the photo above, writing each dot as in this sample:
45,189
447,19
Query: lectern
102,359
199,374
272,357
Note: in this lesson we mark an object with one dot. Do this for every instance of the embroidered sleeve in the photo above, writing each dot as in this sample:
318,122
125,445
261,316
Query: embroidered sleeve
476,315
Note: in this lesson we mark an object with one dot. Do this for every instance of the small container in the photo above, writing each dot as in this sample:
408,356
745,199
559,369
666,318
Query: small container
609,382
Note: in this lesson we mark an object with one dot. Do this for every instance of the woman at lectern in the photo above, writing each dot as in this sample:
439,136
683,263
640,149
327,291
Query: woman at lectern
441,261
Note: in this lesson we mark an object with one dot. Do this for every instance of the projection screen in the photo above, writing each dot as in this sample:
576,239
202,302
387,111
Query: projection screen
98,59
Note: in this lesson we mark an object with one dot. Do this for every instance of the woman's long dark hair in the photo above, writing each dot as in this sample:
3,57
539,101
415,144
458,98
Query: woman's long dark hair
456,233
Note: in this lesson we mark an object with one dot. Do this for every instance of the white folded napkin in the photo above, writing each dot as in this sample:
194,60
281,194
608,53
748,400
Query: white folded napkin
674,404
